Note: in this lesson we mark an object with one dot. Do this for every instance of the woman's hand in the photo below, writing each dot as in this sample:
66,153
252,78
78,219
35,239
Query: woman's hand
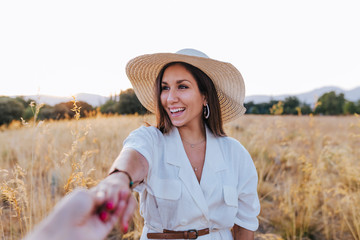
119,199
115,187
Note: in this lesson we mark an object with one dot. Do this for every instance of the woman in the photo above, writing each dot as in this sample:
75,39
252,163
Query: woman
192,179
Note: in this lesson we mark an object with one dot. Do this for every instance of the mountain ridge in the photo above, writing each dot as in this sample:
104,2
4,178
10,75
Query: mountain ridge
92,99
309,97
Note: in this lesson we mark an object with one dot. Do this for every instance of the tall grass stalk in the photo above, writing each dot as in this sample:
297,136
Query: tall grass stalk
35,109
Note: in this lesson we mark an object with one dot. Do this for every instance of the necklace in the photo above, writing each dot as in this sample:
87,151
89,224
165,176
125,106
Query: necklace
195,168
192,145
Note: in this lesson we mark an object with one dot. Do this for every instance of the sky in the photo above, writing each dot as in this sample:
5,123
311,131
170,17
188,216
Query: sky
62,48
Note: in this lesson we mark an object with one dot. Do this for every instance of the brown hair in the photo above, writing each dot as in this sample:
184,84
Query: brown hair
206,87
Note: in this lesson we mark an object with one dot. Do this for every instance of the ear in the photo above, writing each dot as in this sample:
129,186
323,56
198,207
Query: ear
204,101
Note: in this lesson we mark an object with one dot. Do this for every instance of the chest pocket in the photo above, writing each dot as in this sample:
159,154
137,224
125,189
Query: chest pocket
161,208
167,189
230,196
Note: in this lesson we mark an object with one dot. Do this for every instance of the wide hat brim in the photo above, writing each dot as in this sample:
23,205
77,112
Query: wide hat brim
143,70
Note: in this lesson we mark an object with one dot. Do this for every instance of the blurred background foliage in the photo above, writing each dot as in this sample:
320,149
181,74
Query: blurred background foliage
127,103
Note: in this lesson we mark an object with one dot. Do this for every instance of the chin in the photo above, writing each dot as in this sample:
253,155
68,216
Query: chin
177,124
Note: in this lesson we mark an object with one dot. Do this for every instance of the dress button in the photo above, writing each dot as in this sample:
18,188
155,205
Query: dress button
183,222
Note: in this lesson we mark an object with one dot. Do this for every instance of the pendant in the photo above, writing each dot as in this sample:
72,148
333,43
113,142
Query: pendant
192,145
195,169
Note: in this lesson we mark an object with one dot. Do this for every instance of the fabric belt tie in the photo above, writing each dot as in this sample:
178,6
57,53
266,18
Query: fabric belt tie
189,234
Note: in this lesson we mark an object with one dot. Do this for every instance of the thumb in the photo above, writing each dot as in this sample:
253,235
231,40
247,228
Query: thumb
76,206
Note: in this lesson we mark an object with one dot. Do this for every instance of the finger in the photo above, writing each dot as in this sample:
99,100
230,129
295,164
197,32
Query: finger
123,202
102,207
99,194
100,197
129,211
112,198
123,199
104,216
106,196
105,211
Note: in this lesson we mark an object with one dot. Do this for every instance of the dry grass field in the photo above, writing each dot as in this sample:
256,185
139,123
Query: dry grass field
309,184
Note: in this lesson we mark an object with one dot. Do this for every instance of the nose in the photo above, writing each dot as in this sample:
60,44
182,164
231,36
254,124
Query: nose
172,96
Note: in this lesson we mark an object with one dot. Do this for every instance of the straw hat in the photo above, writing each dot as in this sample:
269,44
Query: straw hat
143,70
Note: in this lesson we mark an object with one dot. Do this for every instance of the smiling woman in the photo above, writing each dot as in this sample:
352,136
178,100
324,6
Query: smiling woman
194,181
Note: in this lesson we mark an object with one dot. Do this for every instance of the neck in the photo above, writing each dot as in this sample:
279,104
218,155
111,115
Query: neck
193,134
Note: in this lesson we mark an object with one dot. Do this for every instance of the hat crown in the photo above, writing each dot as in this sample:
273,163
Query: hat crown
192,52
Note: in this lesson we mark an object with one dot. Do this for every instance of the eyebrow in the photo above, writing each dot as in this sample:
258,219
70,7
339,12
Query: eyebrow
178,81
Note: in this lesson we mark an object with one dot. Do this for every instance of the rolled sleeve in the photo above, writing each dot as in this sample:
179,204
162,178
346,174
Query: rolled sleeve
248,200
142,140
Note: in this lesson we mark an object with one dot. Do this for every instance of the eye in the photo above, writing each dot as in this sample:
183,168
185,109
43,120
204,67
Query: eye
164,87
183,86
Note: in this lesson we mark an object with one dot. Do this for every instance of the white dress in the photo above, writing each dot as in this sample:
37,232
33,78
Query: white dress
172,197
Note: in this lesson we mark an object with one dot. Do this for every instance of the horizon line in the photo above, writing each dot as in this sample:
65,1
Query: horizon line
106,96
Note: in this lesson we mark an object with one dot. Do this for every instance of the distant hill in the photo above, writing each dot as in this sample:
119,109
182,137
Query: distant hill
92,99
308,97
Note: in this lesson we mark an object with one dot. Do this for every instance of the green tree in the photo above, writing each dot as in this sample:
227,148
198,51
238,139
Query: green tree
22,101
251,108
305,109
349,107
108,107
254,110
47,112
129,103
290,105
358,107
10,109
331,104
259,108
28,113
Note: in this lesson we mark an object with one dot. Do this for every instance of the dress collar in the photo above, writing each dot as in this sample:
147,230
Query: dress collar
214,163
213,155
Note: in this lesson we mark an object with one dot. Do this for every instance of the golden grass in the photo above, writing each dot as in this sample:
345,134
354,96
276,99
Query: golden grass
308,167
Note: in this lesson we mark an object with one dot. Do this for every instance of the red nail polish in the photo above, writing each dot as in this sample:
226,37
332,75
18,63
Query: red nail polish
103,216
126,228
109,205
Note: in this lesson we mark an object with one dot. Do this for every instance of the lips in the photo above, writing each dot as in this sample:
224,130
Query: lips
176,111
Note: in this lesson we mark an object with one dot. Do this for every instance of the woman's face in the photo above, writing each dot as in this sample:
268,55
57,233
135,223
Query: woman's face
181,97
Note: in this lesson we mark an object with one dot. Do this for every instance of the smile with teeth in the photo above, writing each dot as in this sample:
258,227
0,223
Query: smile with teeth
175,110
